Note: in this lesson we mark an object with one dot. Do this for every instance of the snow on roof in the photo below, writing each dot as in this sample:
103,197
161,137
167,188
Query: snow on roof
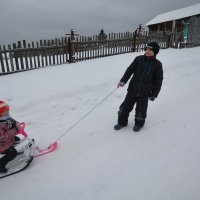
176,14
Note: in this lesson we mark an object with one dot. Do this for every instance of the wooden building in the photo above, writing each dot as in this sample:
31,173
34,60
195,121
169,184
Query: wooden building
182,25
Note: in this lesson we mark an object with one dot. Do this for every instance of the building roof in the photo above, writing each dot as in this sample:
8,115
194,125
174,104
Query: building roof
176,14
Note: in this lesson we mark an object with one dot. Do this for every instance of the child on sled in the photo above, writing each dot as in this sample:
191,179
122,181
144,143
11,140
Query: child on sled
9,128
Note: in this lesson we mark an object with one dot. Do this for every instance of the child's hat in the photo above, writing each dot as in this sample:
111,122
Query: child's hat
154,46
3,106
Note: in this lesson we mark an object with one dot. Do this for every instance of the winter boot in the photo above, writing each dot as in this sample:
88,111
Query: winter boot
136,128
118,127
3,169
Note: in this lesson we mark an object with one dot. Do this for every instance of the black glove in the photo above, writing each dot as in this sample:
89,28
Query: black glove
152,98
11,122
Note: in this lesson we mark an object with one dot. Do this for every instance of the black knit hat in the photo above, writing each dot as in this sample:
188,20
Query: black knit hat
154,47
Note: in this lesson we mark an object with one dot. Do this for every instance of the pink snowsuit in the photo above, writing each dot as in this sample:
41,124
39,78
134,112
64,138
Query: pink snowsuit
7,136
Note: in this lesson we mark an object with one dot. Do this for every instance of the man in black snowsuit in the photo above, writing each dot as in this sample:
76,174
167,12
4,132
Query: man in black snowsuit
144,85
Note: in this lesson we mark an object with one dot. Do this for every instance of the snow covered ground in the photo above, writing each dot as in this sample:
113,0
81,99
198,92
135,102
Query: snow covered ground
94,162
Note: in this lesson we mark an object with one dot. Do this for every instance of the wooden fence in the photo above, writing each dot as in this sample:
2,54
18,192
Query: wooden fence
22,56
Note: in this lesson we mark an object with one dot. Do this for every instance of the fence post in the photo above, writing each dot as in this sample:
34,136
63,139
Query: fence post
134,41
16,56
71,46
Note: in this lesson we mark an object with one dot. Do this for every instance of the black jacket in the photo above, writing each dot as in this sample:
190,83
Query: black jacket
147,76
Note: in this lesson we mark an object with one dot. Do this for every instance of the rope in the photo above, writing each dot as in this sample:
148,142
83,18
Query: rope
84,116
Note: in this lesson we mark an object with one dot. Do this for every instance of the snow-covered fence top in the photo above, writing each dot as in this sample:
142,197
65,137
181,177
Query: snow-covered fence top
22,56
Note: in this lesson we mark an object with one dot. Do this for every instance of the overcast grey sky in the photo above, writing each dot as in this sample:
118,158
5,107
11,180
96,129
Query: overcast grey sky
33,20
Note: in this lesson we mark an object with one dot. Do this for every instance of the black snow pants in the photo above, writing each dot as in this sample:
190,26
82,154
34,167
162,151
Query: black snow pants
10,154
127,106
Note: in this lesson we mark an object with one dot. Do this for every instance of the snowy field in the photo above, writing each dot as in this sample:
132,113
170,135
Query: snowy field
93,161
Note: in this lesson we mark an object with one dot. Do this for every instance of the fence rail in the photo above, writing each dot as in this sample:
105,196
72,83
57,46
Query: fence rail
22,56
